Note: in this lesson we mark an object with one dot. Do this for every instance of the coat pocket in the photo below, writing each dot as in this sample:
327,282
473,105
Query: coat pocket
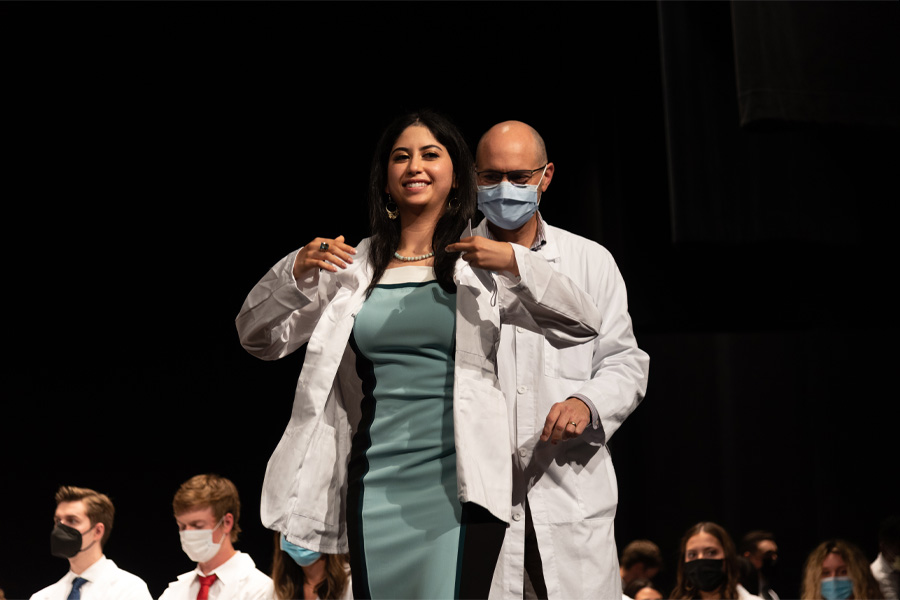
573,362
483,446
317,485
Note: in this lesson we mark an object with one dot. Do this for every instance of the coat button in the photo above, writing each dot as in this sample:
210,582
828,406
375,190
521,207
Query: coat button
522,389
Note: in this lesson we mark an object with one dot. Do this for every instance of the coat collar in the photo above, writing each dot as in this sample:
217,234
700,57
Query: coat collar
547,248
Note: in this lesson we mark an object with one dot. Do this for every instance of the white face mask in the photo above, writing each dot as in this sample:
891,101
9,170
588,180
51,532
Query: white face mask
198,543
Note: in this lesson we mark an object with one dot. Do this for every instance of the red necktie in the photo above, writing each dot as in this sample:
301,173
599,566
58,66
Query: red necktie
205,582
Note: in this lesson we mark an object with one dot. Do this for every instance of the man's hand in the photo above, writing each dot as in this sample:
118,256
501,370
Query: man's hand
487,254
566,420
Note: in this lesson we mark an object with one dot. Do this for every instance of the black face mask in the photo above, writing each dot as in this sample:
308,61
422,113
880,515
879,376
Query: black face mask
65,541
768,566
705,574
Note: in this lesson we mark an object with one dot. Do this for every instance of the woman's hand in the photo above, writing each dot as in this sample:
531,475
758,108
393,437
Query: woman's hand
487,254
323,253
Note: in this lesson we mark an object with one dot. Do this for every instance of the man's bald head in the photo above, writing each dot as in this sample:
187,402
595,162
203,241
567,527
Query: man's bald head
511,139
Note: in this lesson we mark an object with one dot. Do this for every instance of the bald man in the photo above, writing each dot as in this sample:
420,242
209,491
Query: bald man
564,404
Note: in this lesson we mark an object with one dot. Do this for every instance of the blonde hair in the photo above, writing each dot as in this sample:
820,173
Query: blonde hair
213,491
864,584
98,507
288,576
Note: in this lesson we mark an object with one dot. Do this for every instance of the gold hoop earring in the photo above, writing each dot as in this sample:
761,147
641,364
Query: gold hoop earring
394,212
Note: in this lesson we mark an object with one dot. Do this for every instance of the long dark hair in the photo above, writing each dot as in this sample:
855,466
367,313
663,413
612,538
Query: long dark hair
684,589
288,577
386,232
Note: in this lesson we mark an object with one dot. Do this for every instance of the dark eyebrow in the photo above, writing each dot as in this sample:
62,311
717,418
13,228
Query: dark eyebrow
422,148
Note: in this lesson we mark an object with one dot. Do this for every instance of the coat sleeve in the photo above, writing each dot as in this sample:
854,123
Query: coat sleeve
281,312
547,302
619,368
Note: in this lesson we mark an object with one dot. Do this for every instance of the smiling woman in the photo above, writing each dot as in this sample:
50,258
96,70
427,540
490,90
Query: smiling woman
420,174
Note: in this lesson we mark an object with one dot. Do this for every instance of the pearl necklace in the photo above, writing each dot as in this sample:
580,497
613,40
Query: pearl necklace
413,258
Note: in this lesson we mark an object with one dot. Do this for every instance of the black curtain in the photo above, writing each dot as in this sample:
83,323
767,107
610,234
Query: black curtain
782,119
817,62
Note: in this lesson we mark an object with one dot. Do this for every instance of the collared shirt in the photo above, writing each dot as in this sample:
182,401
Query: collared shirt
104,581
539,237
237,579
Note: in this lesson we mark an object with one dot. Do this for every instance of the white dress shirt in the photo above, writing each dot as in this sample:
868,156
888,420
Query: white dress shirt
105,581
888,579
236,579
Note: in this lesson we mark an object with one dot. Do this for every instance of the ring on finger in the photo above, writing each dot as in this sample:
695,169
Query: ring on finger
323,246
573,423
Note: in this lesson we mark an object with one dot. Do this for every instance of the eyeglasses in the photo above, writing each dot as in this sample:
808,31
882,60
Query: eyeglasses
517,178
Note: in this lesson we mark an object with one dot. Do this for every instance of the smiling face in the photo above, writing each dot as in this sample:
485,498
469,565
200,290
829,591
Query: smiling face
420,171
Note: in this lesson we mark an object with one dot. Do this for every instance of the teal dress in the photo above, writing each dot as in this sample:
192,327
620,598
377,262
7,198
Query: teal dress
403,511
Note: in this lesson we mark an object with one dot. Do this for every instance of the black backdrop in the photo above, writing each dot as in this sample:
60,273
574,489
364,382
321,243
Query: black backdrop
160,157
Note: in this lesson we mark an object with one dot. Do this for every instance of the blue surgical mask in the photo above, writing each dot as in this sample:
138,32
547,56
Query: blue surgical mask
836,588
301,556
506,205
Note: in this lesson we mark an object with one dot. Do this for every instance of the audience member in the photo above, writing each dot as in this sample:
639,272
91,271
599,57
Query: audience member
759,550
84,520
708,565
886,567
301,573
642,589
207,509
641,560
837,570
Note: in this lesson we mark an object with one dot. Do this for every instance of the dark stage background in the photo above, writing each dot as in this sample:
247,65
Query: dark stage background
740,162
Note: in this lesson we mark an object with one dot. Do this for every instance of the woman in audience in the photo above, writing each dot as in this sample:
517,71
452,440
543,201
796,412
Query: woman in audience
837,570
302,574
708,566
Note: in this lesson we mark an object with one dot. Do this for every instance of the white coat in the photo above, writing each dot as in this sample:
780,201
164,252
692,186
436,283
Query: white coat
304,490
571,486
